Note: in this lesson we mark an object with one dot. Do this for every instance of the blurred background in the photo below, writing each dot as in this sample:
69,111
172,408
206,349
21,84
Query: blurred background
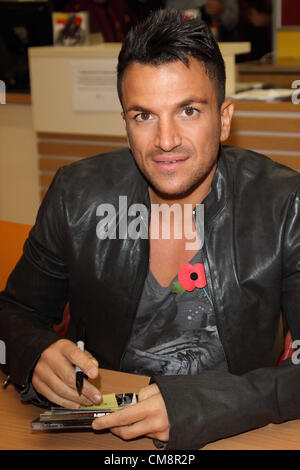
28,24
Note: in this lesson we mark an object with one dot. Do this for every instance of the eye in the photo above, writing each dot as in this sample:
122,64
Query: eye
189,111
143,117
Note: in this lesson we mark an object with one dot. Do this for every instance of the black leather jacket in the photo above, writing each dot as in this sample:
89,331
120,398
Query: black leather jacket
252,264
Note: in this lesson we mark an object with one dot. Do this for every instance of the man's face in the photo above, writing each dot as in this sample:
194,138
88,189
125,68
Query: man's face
173,124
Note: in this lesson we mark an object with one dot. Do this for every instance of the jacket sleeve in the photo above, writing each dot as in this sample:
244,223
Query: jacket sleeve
37,290
217,404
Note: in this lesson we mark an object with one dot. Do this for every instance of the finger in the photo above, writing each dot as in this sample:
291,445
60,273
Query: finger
66,372
57,371
65,389
81,359
48,393
93,359
124,417
141,428
68,396
62,355
147,392
45,388
91,393
154,425
148,418
133,425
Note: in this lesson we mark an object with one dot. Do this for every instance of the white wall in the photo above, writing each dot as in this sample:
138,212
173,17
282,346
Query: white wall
19,188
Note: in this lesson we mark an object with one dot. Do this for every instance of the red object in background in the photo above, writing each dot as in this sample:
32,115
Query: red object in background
77,20
290,13
288,349
62,327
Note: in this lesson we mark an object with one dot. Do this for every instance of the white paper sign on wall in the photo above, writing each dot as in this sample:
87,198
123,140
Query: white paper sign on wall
94,85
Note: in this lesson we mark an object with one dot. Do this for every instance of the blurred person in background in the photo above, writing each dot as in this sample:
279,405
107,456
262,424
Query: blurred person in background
140,9
255,26
221,15
111,18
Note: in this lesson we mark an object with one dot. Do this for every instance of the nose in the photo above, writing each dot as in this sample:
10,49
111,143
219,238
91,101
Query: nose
168,135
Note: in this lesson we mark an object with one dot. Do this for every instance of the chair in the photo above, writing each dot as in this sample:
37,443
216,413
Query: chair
12,238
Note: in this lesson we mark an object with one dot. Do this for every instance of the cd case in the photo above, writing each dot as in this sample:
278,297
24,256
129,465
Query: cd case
82,418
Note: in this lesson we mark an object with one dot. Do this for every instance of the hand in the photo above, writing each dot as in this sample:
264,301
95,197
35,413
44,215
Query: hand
54,375
147,418
214,7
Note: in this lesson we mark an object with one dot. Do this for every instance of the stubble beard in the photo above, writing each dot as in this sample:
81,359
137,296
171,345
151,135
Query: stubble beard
187,187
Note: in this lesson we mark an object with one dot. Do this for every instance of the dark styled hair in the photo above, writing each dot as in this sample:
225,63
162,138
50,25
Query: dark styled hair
166,36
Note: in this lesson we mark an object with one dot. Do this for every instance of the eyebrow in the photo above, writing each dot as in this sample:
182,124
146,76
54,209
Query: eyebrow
192,100
182,104
136,107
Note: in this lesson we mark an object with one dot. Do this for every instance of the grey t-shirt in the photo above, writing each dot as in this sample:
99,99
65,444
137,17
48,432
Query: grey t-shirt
174,333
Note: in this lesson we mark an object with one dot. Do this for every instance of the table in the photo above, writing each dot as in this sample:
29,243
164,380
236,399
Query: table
15,433
280,72
15,419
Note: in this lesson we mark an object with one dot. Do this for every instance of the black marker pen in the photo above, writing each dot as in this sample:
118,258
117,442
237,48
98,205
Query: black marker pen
81,345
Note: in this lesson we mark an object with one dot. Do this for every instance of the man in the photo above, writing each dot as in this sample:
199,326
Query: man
221,15
256,26
109,17
212,347
224,12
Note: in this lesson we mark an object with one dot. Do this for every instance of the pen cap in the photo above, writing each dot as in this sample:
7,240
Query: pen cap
80,345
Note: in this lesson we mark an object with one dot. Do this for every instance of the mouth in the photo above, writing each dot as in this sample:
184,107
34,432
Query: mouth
170,163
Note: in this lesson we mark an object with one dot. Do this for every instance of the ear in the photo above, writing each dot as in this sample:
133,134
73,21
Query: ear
125,125
227,109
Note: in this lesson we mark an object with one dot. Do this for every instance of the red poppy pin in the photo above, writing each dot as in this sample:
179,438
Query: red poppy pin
191,276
